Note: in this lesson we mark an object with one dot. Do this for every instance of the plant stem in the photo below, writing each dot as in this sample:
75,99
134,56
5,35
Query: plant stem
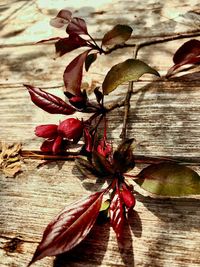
127,101
34,154
156,41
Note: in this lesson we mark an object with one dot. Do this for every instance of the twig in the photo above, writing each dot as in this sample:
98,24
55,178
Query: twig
35,154
156,41
127,101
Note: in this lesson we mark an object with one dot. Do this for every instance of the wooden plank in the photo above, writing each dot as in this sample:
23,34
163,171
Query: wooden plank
164,119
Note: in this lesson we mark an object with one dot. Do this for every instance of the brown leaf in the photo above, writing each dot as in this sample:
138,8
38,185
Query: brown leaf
10,163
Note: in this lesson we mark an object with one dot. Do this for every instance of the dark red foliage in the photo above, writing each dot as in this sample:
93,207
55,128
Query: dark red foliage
78,102
188,53
66,45
73,74
88,140
69,129
78,26
116,212
127,196
63,17
69,227
48,102
89,60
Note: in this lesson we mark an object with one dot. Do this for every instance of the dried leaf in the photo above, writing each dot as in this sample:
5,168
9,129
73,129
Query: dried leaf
10,163
116,211
48,102
188,53
70,227
129,70
89,60
73,74
169,179
66,45
77,26
118,35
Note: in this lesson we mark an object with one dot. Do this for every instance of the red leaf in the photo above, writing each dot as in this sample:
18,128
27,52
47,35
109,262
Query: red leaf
78,26
49,102
70,227
127,196
89,60
49,40
73,74
117,213
188,53
63,17
66,45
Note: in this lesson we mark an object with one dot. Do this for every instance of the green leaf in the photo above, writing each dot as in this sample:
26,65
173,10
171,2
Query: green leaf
118,35
89,60
169,179
129,70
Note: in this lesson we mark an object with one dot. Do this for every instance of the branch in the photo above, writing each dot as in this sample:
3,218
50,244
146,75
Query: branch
156,41
127,100
35,154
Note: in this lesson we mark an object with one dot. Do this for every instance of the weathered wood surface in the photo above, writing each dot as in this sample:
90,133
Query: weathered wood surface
164,119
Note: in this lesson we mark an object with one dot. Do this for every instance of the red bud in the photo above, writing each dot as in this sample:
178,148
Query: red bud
71,129
57,145
128,197
46,131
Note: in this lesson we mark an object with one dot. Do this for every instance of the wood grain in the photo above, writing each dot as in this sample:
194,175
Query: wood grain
164,119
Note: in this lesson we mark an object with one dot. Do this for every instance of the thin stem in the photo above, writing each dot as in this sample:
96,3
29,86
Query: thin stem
34,154
127,100
156,41
96,45
140,159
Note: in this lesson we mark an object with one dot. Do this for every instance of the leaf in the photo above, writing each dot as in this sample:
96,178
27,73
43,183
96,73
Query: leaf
78,26
188,53
66,45
89,60
69,227
129,70
101,164
104,212
63,17
169,179
127,196
116,212
48,102
49,40
118,35
123,159
73,74
10,162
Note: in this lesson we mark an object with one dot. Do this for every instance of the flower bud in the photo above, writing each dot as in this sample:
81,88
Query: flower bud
78,102
128,197
46,131
71,129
